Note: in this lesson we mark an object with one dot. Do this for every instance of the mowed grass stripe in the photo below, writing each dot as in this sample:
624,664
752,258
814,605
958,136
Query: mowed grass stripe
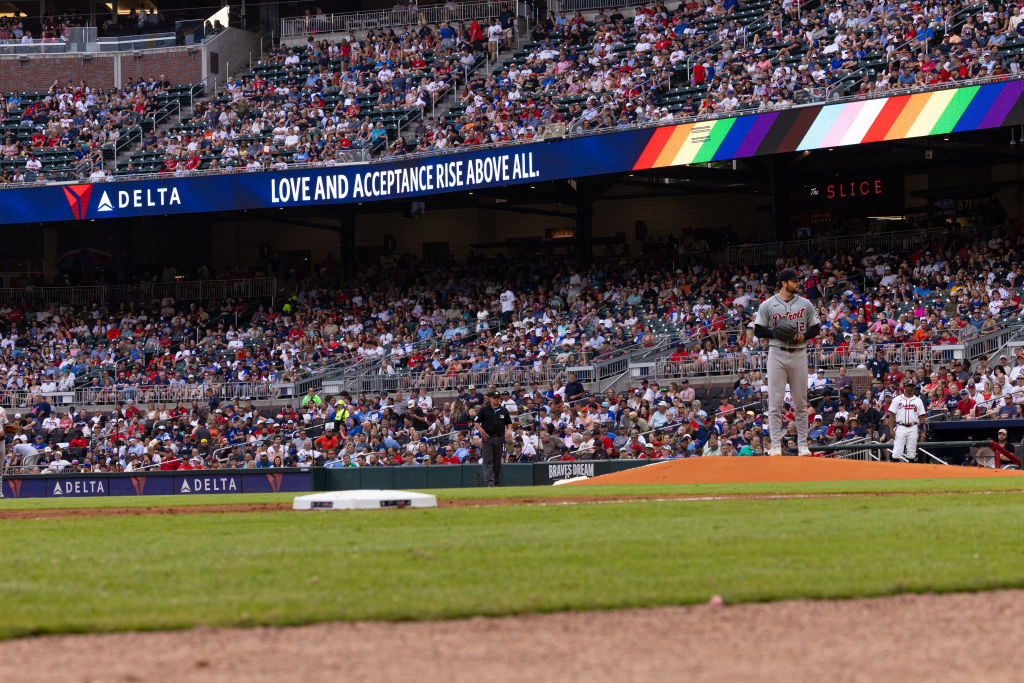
150,572
520,492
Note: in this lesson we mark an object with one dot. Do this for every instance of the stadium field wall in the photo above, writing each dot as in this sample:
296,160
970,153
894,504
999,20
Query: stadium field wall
299,480
823,126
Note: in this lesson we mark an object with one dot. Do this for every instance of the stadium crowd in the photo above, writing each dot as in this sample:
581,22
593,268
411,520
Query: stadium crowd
182,376
316,103
49,135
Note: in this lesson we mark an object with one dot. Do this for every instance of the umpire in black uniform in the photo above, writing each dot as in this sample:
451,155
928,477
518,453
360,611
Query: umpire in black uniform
494,424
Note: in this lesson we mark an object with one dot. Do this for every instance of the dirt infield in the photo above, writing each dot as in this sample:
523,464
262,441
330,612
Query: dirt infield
756,470
735,470
62,513
959,637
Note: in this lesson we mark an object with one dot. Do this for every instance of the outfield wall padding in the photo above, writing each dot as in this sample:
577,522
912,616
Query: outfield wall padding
300,480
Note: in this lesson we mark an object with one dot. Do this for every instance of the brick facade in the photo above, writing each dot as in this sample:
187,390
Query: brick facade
181,66
38,72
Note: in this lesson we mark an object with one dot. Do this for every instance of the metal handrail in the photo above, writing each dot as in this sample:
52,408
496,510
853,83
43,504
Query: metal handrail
902,354
587,5
377,19
756,254
350,369
180,291
593,370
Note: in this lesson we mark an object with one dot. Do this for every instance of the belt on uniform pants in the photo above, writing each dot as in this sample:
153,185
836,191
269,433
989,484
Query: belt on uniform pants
906,424
783,348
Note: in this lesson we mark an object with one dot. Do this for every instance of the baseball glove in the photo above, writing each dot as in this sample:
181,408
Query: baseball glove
786,331
10,429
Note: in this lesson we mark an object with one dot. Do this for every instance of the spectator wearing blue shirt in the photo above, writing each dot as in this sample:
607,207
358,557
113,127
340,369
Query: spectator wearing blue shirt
43,410
818,429
1008,410
744,392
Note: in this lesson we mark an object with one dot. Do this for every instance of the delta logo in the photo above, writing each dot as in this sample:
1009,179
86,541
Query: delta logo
154,197
78,199
274,479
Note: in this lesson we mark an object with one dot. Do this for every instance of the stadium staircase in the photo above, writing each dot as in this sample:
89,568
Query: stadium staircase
179,104
448,104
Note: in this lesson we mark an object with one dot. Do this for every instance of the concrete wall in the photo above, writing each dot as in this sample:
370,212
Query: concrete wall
231,52
1010,196
238,242
668,215
29,73
181,65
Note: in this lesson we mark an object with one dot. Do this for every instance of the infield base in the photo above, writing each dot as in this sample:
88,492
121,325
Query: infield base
366,499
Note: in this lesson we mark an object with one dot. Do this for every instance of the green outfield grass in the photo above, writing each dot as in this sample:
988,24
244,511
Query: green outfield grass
148,572
867,486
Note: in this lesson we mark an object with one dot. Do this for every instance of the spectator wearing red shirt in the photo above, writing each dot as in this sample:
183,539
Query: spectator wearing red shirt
966,406
327,443
894,377
837,430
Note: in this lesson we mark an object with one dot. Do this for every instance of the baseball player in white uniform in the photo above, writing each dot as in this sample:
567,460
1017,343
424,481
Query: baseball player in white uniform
788,321
907,411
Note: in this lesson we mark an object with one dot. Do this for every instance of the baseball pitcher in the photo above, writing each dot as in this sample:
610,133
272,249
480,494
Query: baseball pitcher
907,412
787,320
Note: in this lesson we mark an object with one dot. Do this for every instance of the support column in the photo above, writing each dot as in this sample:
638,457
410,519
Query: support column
49,252
780,197
347,242
584,222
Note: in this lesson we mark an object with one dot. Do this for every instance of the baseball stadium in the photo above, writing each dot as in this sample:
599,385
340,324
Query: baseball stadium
544,340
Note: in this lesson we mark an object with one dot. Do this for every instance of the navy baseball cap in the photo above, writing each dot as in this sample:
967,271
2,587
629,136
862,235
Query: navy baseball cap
788,274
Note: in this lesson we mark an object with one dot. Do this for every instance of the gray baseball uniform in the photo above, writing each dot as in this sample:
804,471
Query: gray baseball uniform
787,363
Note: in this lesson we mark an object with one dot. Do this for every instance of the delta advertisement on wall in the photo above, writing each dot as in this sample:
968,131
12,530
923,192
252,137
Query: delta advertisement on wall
158,483
939,112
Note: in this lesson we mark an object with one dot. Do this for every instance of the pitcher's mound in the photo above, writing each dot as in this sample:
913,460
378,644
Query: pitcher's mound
751,470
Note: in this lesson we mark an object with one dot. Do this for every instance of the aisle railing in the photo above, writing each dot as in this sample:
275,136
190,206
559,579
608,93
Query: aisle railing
292,27
794,250
185,290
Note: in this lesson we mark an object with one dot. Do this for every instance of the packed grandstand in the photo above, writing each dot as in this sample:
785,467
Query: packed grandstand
388,366
428,87
224,383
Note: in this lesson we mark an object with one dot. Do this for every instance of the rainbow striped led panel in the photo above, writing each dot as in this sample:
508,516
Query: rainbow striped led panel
850,123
